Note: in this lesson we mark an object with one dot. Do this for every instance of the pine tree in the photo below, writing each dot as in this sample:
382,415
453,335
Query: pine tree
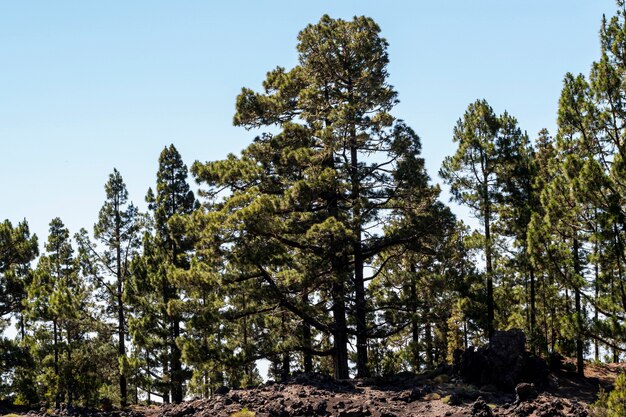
52,304
154,288
558,232
18,248
117,230
477,171
518,200
590,117
355,161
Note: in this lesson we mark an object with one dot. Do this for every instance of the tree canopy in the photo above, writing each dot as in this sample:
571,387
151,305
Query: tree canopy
323,245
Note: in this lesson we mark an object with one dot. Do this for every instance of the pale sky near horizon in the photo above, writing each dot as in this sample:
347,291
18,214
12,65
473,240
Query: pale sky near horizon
89,86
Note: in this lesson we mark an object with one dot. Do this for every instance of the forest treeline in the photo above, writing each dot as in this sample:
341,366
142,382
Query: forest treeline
324,245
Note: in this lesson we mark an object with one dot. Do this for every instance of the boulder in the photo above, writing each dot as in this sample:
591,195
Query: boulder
481,409
503,362
525,392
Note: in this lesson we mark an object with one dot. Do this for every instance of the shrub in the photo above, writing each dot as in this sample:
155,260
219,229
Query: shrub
243,413
612,404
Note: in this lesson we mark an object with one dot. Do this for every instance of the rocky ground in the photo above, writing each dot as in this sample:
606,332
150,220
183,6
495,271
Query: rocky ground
497,380
406,395
312,395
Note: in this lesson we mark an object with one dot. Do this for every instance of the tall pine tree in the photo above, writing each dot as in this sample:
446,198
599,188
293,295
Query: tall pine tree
477,171
117,231
155,288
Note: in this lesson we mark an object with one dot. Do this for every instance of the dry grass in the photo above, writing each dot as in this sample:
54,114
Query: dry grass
243,413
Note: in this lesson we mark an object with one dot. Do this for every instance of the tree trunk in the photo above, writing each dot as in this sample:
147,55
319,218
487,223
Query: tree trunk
165,394
339,274
596,353
57,396
22,328
167,344
428,338
286,367
579,342
340,332
489,265
533,318
415,353
465,335
176,368
121,347
71,384
546,311
306,340
286,359
361,314
359,283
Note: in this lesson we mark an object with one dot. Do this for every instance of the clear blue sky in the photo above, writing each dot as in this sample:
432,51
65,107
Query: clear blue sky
87,86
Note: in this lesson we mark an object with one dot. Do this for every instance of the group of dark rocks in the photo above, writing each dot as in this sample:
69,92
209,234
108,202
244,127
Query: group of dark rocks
497,380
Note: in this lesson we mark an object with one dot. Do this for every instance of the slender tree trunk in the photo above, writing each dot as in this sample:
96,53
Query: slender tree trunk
71,383
428,338
286,367
57,396
121,347
218,377
166,355
552,322
620,277
415,353
247,367
533,317
359,282
285,370
596,282
596,285
415,350
544,304
361,314
489,265
340,325
22,327
176,369
340,332
465,335
306,340
165,394
579,342
613,310
338,293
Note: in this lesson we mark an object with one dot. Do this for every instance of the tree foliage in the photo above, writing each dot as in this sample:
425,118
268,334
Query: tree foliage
323,247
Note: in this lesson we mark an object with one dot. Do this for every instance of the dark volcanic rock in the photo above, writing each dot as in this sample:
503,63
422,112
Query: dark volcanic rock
525,392
349,399
578,410
503,363
481,409
455,399
525,409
